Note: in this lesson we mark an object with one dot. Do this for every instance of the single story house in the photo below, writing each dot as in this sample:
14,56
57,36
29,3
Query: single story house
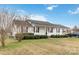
38,28
75,31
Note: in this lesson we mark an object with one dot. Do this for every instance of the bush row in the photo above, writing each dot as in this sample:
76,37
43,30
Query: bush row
64,36
73,35
59,36
29,36
35,37
32,36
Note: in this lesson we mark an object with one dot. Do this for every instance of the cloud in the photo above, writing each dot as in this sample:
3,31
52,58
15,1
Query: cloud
38,17
74,12
21,12
51,7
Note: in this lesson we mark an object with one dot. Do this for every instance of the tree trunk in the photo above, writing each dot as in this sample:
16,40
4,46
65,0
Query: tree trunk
2,37
20,38
3,41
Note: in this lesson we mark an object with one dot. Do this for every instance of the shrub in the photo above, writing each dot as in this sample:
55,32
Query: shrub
72,35
59,36
35,37
20,36
28,37
40,36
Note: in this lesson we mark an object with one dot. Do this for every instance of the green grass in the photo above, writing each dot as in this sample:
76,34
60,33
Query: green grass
51,46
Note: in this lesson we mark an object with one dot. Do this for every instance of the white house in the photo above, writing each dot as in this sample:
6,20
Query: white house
75,31
38,28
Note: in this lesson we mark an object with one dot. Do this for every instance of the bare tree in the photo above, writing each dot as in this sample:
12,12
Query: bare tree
75,27
20,36
6,19
22,17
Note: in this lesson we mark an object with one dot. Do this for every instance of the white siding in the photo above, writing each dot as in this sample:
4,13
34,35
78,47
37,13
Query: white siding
30,30
55,32
14,30
42,31
24,29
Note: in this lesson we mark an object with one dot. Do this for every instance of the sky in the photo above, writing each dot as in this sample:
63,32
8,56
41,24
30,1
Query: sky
64,14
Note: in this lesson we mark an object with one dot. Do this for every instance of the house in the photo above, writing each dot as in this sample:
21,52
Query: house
38,28
75,31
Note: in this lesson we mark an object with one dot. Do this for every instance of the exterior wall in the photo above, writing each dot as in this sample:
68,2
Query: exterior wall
30,30
14,30
42,31
75,31
55,32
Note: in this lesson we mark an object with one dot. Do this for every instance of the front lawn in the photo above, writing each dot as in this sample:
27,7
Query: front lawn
51,46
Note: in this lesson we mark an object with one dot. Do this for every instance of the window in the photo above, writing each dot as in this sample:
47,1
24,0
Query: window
37,29
26,29
51,30
63,31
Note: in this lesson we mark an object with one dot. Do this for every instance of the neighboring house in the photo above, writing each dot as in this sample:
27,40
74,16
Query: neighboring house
38,28
75,31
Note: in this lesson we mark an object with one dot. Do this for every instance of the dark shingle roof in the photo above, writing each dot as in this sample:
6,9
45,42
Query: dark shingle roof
37,23
21,23
46,23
